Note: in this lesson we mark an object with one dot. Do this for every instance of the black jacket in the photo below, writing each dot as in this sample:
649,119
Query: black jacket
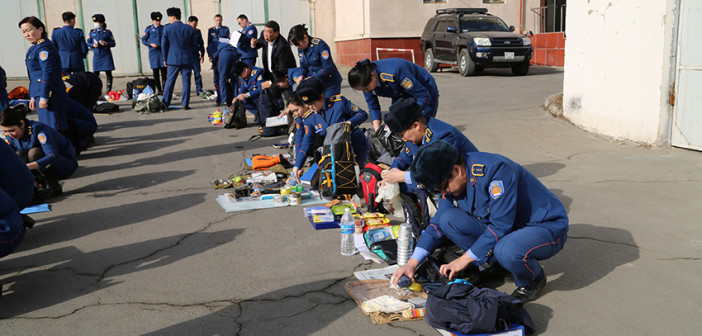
281,57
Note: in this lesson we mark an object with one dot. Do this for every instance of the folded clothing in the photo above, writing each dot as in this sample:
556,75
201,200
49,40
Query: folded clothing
386,304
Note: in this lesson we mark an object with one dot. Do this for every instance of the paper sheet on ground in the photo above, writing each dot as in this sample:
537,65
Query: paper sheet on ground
35,209
229,206
377,273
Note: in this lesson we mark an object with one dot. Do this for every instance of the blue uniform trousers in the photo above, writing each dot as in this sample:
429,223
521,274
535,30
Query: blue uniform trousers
518,252
53,115
215,79
173,71
197,75
225,63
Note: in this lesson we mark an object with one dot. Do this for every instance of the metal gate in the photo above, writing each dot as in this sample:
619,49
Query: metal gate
687,117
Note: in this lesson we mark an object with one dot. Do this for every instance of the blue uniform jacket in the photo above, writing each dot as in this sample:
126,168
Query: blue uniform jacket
15,178
102,55
312,125
71,45
213,35
200,43
436,130
399,78
153,34
178,44
244,45
44,71
316,61
503,195
56,147
4,100
252,85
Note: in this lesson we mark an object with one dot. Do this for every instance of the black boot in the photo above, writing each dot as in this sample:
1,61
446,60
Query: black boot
533,290
53,182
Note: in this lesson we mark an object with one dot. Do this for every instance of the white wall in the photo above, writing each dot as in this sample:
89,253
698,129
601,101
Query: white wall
618,67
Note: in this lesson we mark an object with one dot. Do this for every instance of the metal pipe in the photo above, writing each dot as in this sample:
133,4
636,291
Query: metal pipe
81,24
186,10
219,7
137,38
40,10
265,10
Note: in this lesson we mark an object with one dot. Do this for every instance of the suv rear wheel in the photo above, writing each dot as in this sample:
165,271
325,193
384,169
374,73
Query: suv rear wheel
429,62
521,69
466,66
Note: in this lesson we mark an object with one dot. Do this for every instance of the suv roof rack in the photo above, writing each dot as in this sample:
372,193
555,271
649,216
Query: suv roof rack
462,11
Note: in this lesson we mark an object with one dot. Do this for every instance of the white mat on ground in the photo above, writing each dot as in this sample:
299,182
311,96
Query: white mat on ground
232,206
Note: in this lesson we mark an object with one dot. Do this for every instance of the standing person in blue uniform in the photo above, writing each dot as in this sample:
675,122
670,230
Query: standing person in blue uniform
213,35
198,55
394,78
101,41
16,191
249,88
178,45
70,43
152,39
46,89
40,146
494,210
4,100
227,56
336,109
406,120
315,59
248,31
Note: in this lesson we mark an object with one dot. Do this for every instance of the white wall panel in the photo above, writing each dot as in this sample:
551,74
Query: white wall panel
119,17
14,45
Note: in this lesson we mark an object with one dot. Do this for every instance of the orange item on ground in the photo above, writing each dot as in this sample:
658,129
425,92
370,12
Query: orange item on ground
262,162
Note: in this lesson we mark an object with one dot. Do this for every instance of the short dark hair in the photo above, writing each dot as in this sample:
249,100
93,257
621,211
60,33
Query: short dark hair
34,21
360,75
218,15
68,16
174,12
12,116
273,25
292,98
242,16
279,76
192,18
297,33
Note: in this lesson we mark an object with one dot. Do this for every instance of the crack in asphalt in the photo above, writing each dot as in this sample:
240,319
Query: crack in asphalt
606,241
392,325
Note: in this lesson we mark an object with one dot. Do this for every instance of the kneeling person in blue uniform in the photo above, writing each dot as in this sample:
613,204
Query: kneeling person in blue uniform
407,120
494,210
336,109
43,148
16,190
249,88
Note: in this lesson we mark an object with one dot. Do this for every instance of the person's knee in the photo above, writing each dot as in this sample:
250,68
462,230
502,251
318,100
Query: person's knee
35,154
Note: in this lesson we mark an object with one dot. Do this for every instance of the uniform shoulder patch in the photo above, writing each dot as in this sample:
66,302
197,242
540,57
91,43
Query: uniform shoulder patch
325,54
42,138
478,170
386,77
43,55
427,135
496,189
335,98
315,41
407,83
300,54
253,72
40,41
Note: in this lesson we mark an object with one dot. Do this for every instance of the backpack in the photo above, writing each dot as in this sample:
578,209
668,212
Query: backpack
237,116
135,87
370,176
149,103
384,146
337,166
106,108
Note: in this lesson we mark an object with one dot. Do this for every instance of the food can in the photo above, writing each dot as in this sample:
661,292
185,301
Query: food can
294,198
285,190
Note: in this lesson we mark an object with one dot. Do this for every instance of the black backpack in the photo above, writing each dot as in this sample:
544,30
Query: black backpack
337,166
237,116
106,108
135,87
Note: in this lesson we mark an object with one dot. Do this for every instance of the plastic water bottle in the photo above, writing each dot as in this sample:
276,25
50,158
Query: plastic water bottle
347,228
225,115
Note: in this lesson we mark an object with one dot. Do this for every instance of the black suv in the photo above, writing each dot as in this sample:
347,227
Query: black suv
474,40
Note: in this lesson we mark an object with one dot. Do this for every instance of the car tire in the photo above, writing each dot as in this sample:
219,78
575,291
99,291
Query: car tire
466,66
521,69
429,60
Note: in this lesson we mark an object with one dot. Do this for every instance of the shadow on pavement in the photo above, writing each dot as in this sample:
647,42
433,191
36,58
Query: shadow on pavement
111,126
179,133
30,291
76,225
543,169
120,185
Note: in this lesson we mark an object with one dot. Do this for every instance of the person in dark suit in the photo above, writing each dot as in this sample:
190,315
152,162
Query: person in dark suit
70,43
178,44
276,54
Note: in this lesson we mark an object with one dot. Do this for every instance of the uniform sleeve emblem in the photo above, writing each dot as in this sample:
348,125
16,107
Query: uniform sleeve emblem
43,55
354,108
300,53
325,54
259,78
306,129
407,83
42,138
250,32
8,141
496,189
297,126
406,150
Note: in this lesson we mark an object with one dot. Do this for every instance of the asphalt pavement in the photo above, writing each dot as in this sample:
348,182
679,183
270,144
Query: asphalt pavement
137,245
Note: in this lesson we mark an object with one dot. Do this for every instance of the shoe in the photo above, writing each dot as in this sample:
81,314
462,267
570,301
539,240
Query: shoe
203,95
532,291
187,107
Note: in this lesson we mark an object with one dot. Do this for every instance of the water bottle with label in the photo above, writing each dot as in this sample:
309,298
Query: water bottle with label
347,228
225,115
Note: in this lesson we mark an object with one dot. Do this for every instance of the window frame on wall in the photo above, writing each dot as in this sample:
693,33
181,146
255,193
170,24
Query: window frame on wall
433,1
493,1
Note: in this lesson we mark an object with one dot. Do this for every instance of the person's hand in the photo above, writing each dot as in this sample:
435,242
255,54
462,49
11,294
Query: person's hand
449,270
210,58
32,104
240,97
393,175
202,60
102,42
33,166
407,270
266,84
154,45
376,124
164,64
283,113
296,173
95,45
43,103
381,183
253,42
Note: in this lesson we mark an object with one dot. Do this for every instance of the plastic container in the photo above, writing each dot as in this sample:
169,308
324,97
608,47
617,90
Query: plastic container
414,313
347,225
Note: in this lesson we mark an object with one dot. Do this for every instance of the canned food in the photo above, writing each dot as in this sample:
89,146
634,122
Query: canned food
294,198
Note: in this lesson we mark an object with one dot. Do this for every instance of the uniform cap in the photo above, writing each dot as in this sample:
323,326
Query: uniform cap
156,16
433,163
173,11
99,18
310,89
403,113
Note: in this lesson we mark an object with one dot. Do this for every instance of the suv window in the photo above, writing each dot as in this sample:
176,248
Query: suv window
441,28
482,23
430,25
